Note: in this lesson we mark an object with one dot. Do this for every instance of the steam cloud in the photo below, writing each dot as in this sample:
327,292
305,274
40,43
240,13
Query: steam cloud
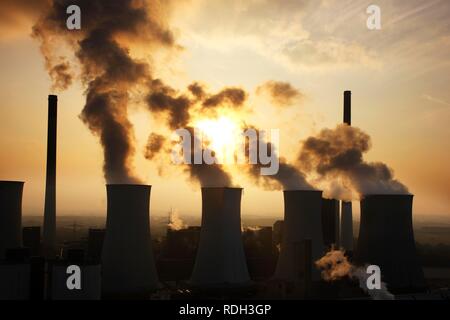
281,93
288,176
155,144
175,222
107,68
335,266
338,153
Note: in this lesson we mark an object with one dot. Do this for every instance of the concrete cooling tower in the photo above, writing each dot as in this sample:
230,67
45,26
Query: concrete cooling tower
302,221
10,215
128,266
330,222
346,232
220,260
386,239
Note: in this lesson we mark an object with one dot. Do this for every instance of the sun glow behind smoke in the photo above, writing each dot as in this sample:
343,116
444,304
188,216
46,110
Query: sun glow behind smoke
221,135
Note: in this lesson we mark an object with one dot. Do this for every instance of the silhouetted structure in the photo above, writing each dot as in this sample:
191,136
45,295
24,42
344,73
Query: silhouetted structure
277,234
15,275
302,221
182,244
348,107
386,239
31,238
346,233
128,266
346,230
220,260
330,222
10,215
95,244
49,230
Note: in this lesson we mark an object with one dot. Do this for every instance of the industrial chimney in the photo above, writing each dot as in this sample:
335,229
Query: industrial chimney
49,230
302,221
346,233
128,267
348,107
220,260
10,215
386,239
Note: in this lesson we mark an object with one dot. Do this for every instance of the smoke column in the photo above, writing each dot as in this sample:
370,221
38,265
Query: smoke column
338,153
107,68
335,266
288,176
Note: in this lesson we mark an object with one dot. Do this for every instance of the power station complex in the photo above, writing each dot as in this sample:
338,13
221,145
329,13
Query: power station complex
126,266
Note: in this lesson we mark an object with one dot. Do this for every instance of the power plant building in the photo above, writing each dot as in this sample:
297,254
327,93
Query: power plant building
10,215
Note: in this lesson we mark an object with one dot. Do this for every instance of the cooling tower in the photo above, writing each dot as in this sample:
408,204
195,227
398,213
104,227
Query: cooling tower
302,221
220,260
128,267
386,239
330,222
10,215
346,226
49,230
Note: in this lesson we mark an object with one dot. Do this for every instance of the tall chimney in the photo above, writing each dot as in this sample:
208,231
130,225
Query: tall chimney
348,107
49,232
128,266
220,260
302,221
10,215
386,239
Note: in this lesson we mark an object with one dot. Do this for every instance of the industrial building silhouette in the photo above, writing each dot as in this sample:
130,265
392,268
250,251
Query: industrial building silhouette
215,258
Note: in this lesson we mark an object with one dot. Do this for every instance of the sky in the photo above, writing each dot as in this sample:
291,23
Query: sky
399,78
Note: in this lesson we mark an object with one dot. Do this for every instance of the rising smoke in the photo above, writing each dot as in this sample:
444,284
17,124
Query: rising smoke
107,68
338,154
178,109
281,94
335,266
288,176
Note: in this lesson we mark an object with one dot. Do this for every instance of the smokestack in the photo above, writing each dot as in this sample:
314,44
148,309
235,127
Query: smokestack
128,266
49,233
220,260
386,239
10,215
330,222
302,221
348,107
346,235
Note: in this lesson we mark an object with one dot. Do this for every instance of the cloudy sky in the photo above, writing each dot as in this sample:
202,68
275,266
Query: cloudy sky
399,77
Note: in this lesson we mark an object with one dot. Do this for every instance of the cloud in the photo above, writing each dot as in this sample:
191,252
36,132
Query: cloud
435,100
281,93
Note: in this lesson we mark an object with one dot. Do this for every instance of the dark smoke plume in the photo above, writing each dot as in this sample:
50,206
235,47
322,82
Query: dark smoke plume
155,144
281,93
232,97
164,99
288,176
179,107
107,68
208,175
338,153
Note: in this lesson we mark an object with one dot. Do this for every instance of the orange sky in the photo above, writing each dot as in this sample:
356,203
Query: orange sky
399,77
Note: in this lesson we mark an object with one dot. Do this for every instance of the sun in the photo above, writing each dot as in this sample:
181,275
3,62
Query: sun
220,135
